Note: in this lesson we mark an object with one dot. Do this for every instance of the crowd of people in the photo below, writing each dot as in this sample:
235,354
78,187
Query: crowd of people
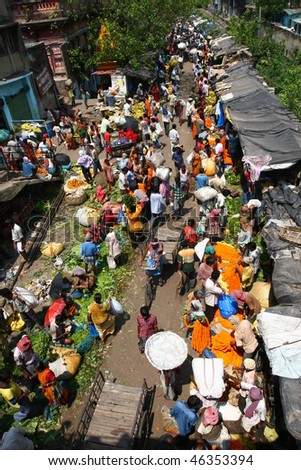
198,421
215,277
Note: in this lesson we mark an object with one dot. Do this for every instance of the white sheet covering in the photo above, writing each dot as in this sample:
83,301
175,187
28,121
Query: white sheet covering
228,411
209,376
276,330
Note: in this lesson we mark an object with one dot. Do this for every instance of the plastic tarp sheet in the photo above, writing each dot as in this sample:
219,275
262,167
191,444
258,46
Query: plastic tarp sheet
290,392
282,205
241,81
286,281
277,247
264,125
289,388
222,43
286,202
281,334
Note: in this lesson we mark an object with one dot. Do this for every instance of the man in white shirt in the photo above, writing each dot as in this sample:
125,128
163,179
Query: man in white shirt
188,112
14,150
44,147
255,409
127,108
164,91
205,88
166,118
145,131
212,293
123,161
218,148
157,206
25,357
174,137
219,152
122,181
105,123
17,238
58,331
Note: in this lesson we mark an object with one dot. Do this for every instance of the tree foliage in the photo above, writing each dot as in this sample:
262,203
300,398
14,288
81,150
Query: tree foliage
77,61
136,28
271,8
279,70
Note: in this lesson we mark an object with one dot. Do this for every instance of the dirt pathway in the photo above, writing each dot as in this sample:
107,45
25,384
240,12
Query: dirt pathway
124,362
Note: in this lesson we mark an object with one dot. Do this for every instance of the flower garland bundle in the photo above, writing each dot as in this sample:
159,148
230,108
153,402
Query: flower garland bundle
200,339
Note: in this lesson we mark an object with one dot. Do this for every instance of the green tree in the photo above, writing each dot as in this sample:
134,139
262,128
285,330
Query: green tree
279,70
271,8
77,61
244,30
291,93
135,28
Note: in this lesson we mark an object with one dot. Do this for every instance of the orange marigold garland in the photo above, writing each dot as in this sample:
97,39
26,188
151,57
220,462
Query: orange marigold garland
200,339
228,258
221,347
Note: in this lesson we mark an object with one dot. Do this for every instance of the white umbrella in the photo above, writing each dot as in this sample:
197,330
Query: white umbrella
181,45
166,350
193,50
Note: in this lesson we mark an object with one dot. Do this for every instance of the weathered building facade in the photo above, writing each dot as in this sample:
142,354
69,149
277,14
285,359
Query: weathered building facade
18,92
60,24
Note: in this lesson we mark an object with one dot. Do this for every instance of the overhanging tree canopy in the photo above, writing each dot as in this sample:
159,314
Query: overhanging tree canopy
272,8
135,27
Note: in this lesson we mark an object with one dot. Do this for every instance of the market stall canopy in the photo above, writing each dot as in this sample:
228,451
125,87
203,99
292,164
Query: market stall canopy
222,43
231,50
283,204
281,332
280,328
143,73
264,125
166,350
291,406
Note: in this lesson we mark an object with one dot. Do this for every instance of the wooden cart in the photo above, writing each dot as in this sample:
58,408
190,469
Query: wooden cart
170,234
115,417
118,150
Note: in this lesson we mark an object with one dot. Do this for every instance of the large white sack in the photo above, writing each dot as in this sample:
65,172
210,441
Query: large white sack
163,173
87,216
206,193
28,297
157,159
